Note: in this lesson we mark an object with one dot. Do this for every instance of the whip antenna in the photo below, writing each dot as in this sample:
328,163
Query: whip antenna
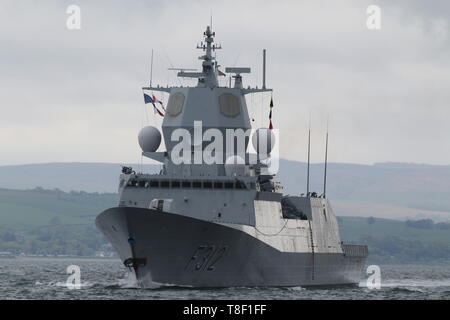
151,69
326,163
309,154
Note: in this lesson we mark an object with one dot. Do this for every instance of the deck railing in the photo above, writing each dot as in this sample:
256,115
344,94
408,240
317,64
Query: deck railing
355,250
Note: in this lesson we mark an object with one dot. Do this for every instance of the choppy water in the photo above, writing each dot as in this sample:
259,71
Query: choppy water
27,278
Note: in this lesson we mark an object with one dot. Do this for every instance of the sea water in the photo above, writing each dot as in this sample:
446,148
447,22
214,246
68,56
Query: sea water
46,278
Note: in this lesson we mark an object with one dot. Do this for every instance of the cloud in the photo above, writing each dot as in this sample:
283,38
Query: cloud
75,95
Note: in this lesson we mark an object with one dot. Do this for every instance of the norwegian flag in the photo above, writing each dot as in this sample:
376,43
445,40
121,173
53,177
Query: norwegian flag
158,101
153,100
270,114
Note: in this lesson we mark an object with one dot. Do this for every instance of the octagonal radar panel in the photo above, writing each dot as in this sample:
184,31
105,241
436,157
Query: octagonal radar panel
175,104
229,105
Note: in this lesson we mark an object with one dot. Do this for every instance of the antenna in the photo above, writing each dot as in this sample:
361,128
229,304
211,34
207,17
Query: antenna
326,163
309,153
237,70
181,69
151,69
264,69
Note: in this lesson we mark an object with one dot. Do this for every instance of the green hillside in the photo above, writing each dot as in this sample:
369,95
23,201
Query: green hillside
391,241
53,222
38,207
353,229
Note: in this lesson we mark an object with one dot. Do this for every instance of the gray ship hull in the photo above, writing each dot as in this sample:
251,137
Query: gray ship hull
172,249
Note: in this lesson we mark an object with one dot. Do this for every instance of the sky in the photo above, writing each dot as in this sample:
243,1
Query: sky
75,95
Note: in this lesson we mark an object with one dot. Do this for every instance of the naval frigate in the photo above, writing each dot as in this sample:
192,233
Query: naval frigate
221,223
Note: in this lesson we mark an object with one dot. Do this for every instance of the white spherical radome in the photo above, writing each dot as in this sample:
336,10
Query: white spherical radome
263,140
149,139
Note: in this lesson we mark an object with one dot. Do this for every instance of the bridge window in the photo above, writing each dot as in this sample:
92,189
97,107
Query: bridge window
186,184
190,184
175,184
229,185
165,184
197,184
154,184
207,184
240,185
141,184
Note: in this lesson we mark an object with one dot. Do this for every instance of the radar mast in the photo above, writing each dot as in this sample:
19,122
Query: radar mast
208,76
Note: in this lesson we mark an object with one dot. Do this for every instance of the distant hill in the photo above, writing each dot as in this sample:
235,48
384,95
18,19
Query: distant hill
389,190
355,229
392,241
53,222
400,184
387,211
27,209
88,177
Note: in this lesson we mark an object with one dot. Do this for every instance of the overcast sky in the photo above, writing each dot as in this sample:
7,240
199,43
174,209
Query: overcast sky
75,95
